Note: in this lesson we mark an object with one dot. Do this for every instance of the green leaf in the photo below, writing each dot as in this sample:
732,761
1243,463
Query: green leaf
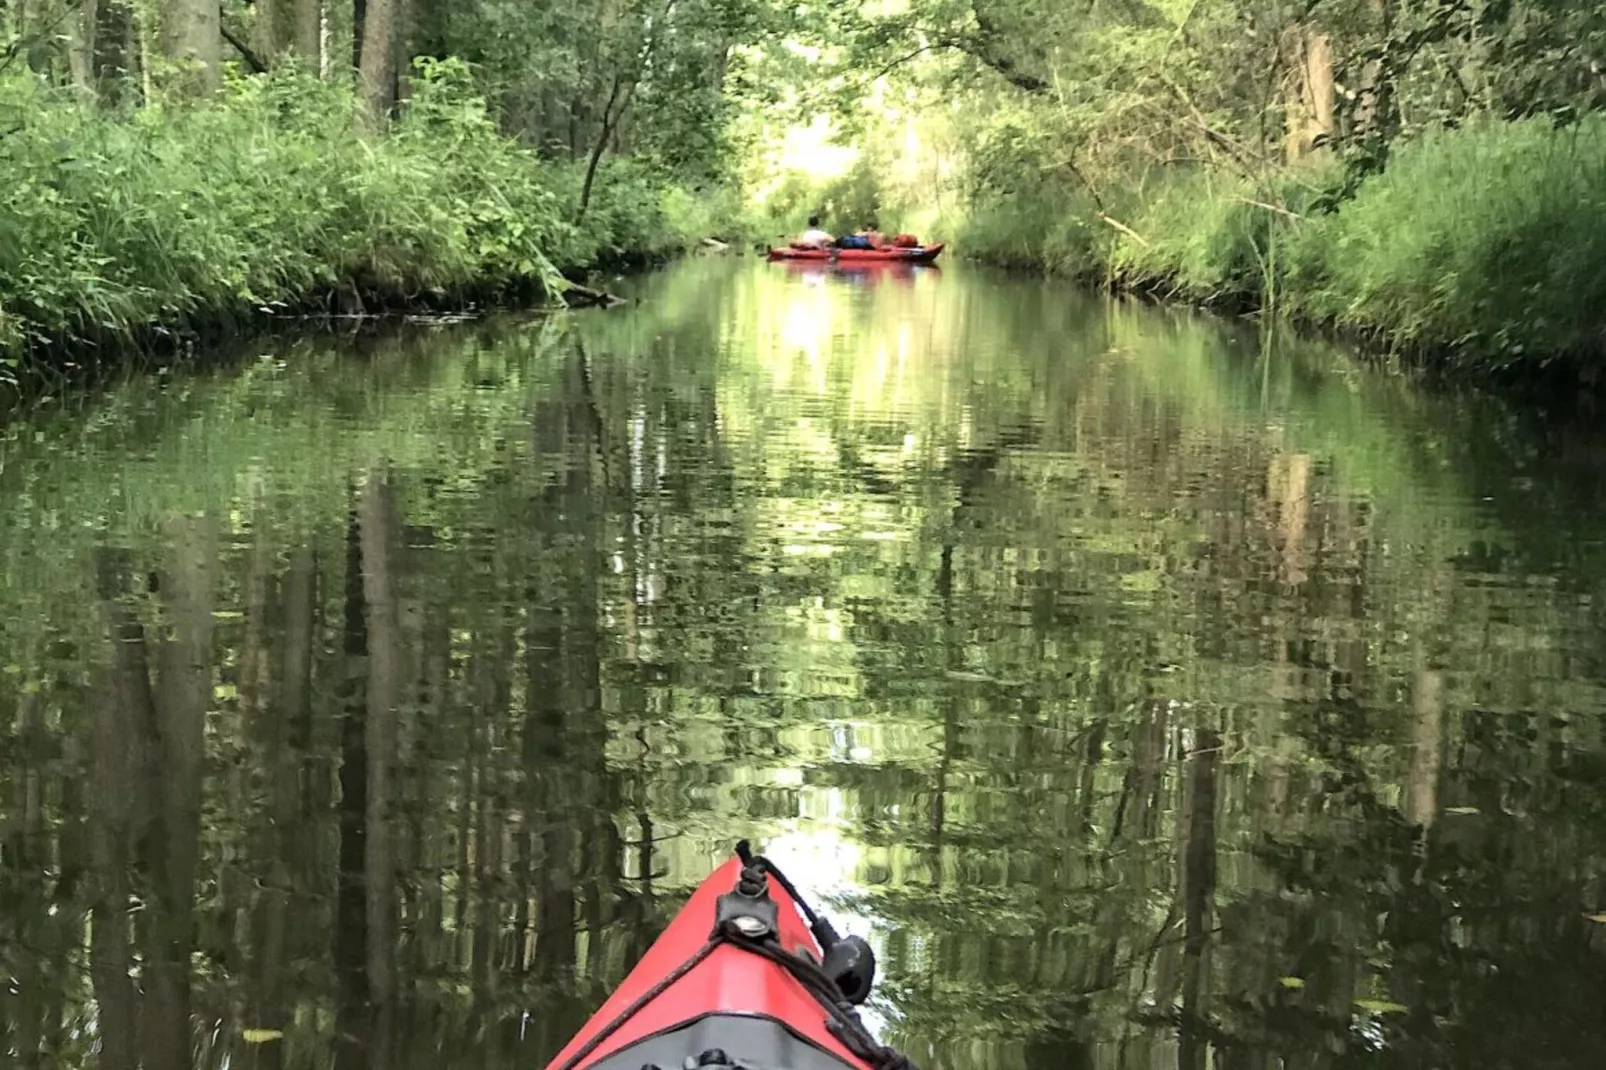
1292,983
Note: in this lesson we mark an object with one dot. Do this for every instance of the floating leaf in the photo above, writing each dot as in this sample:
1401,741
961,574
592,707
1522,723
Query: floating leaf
1381,1006
1463,810
1292,983
262,1036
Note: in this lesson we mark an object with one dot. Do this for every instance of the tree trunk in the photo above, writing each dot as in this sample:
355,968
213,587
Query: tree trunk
1374,110
193,33
267,35
114,51
81,46
378,526
1310,122
350,950
183,696
308,37
376,64
609,118
121,744
1427,753
144,44
1199,886
402,41
359,15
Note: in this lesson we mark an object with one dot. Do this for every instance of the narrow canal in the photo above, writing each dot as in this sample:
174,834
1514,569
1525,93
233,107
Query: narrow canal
1155,696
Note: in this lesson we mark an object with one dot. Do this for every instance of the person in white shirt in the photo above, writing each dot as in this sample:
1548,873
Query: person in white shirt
814,235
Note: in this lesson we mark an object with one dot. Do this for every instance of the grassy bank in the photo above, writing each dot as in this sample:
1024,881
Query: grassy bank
1482,247
171,220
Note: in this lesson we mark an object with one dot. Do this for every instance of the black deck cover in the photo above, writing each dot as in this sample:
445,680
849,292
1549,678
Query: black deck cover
751,1042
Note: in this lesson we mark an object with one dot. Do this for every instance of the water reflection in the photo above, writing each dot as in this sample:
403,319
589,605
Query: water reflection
1159,699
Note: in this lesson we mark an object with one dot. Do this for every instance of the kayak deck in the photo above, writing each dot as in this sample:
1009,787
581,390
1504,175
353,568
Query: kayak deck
739,979
920,254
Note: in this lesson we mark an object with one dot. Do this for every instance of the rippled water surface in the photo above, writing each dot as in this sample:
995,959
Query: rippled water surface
1157,696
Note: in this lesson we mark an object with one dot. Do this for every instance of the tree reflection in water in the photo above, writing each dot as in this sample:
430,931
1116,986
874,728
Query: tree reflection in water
1160,699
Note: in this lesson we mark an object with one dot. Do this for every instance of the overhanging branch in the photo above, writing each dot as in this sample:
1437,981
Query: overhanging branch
983,47
252,60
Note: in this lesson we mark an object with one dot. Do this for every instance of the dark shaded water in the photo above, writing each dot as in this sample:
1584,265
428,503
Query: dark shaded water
1160,699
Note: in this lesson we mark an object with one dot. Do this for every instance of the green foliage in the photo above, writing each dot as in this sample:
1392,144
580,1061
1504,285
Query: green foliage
1061,235
267,199
1340,160
1486,243
1210,236
1490,239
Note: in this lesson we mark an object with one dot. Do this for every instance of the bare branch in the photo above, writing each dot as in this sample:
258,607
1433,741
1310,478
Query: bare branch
252,60
901,60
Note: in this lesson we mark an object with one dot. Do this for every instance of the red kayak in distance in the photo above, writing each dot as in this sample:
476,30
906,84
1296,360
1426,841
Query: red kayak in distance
919,254
746,977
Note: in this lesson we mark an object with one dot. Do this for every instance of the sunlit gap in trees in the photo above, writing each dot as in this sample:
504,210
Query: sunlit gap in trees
846,140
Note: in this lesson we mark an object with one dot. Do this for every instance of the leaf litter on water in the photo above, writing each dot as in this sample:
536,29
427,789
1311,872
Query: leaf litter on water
1381,1006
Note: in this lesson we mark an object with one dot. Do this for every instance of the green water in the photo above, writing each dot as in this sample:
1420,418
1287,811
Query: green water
1157,696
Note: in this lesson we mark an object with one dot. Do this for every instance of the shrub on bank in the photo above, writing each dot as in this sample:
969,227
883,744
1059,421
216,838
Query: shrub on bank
1489,240
172,217
1213,237
1203,235
1486,243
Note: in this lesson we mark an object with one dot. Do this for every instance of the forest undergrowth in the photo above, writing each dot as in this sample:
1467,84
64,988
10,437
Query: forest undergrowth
269,200
1481,247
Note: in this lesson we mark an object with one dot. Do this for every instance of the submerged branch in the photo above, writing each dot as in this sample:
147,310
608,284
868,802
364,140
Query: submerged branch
576,296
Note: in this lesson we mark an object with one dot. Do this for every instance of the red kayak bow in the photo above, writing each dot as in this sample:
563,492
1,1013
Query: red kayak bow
919,254
746,977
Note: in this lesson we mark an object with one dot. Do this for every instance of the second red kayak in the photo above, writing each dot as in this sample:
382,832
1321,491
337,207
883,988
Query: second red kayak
919,254
746,977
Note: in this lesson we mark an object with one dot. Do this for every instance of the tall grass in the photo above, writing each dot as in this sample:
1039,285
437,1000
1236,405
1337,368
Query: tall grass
1484,245
1488,241
170,218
